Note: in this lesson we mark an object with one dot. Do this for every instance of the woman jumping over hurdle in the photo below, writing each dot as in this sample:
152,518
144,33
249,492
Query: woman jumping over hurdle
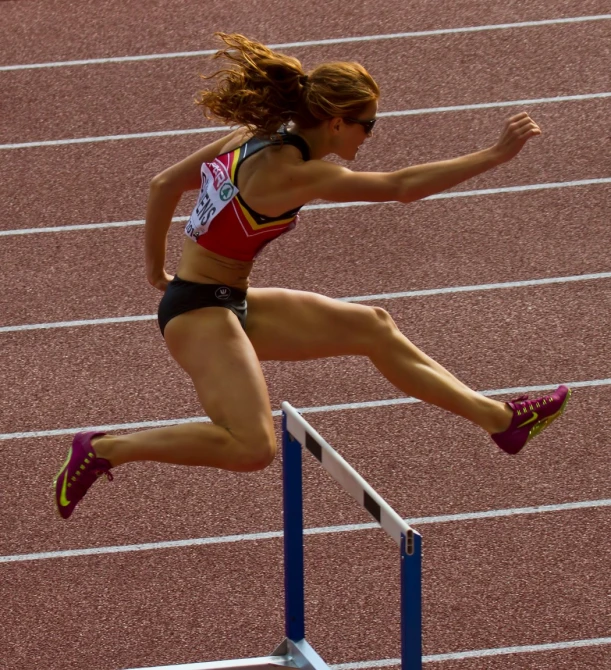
252,184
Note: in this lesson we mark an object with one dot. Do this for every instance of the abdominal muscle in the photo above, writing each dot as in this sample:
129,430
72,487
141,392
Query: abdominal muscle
200,265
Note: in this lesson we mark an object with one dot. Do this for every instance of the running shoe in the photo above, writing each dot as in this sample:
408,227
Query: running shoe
79,472
530,417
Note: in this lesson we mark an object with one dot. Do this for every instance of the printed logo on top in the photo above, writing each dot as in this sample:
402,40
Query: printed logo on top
216,193
227,191
223,293
219,174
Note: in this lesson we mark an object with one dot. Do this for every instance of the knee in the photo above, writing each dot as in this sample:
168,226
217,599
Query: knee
258,452
382,329
382,324
383,318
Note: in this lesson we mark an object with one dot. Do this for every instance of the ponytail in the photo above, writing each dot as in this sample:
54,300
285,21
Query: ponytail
264,90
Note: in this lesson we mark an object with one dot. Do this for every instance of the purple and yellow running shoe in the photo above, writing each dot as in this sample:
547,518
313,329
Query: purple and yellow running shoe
79,472
530,417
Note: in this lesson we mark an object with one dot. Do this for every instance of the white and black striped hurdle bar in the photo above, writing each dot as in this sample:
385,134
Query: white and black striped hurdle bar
348,478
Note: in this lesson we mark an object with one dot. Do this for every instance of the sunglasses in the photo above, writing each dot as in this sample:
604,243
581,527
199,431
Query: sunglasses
367,124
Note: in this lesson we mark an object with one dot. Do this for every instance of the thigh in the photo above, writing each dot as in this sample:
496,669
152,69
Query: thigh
298,325
213,349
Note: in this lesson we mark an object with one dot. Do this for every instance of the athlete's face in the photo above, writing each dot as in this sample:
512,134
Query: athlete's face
356,130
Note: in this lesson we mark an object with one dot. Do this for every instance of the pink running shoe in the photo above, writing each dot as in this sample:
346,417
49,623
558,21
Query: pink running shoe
530,417
79,472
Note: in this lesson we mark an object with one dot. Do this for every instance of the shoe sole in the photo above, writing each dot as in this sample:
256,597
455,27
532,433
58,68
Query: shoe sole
544,423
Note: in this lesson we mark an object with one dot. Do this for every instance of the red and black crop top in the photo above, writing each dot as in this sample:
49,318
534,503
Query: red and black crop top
221,221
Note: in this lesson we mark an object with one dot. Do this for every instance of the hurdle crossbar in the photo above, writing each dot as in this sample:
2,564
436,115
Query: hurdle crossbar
294,651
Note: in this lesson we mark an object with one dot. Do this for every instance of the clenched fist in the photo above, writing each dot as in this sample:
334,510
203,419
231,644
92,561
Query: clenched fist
160,280
517,131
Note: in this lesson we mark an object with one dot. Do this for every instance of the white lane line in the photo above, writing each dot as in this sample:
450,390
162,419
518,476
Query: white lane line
493,105
310,43
478,287
359,298
516,390
114,138
221,129
476,653
79,226
74,324
324,530
330,205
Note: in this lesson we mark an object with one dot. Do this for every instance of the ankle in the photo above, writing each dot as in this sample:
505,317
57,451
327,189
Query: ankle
503,419
105,447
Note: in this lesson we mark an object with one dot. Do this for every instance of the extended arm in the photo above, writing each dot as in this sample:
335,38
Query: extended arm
339,184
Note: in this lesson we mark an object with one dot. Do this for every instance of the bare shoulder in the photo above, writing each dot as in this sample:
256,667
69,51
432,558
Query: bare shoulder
185,175
234,140
322,179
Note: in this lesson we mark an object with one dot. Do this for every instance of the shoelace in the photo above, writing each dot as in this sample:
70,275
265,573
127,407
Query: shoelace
107,473
530,404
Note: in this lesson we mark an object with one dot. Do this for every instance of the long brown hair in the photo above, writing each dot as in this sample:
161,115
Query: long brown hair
263,89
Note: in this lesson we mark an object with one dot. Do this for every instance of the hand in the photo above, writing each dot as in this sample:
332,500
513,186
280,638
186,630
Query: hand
160,280
518,130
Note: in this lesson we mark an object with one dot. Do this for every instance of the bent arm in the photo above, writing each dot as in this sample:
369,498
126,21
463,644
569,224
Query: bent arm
165,192
160,208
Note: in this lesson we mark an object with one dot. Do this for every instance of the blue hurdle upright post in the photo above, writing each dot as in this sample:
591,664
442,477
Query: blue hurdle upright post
295,651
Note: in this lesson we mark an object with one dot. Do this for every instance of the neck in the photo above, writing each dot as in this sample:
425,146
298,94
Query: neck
319,146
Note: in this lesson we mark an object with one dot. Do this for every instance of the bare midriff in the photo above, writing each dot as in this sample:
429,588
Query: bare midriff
198,264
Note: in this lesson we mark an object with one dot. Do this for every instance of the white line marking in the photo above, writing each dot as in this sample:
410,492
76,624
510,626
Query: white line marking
493,105
518,390
477,653
358,298
309,43
221,129
115,138
81,226
479,287
74,324
324,530
331,205
520,189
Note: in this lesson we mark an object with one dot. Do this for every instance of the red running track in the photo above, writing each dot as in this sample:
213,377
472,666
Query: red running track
526,579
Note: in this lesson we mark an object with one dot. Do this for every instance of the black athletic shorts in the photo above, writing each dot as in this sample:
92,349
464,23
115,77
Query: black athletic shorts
184,296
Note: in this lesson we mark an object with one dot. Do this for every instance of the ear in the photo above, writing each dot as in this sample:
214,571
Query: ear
335,125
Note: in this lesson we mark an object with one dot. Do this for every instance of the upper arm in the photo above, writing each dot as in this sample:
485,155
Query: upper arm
328,181
186,175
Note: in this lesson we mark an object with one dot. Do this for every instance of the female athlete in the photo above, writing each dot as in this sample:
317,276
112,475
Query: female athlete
252,183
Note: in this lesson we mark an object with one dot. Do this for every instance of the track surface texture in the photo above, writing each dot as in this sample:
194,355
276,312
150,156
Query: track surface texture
169,565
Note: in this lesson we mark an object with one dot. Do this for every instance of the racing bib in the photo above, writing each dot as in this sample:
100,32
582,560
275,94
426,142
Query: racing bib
217,192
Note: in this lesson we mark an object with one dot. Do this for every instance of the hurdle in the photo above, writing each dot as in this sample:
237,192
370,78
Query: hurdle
294,651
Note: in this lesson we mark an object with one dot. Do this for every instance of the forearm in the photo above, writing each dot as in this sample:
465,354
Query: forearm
162,203
420,181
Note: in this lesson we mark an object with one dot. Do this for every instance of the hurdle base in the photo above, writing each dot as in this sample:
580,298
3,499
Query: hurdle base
301,654
288,654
